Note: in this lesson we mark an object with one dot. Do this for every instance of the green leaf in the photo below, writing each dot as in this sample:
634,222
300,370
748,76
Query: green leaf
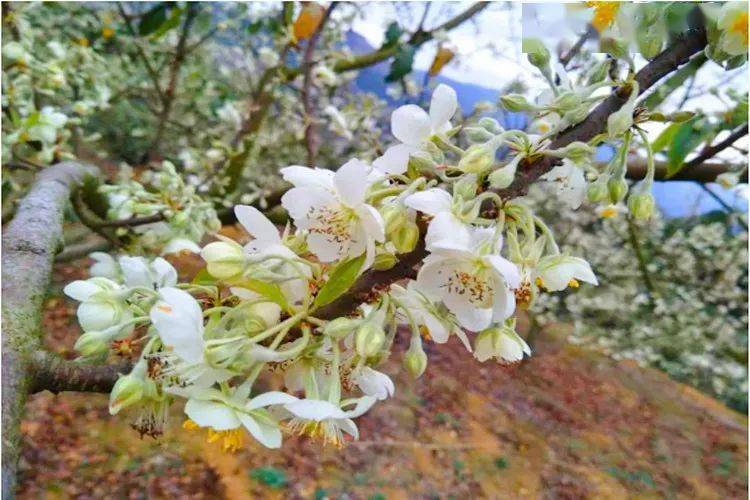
152,20
171,23
271,291
270,476
665,138
690,134
392,34
402,63
341,279
203,278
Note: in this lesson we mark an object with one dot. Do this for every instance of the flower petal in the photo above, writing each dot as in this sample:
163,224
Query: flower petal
442,106
308,177
395,160
351,182
211,414
431,201
315,409
410,124
266,434
270,398
135,272
256,224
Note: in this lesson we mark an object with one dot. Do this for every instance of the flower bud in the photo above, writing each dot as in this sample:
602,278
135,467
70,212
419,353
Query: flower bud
597,190
616,47
478,158
477,134
394,217
369,338
503,177
536,51
566,101
516,102
578,151
406,238
223,259
128,390
650,40
415,359
617,188
466,187
340,327
267,314
384,261
491,125
92,344
641,205
598,72
621,120
421,161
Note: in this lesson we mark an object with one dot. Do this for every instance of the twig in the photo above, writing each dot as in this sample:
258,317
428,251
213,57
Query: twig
310,135
724,205
80,250
712,151
576,48
133,221
141,53
633,238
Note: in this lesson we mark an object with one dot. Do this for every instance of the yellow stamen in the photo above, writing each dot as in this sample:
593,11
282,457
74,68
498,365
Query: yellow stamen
540,282
739,26
573,283
425,332
231,440
108,32
604,14
608,212
164,308
83,41
190,425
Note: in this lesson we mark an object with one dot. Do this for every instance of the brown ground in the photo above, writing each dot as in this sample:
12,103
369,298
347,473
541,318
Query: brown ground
568,423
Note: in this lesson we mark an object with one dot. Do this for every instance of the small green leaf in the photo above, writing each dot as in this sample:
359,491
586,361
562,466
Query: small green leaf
203,278
341,279
402,63
152,20
688,137
171,23
392,34
270,291
665,138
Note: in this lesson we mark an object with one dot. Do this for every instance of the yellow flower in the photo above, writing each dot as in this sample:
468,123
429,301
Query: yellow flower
604,14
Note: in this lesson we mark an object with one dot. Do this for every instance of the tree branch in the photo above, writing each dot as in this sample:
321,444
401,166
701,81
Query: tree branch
50,372
687,45
29,244
704,173
712,151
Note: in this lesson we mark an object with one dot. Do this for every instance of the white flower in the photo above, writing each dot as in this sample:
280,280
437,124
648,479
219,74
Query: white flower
502,343
228,114
102,305
178,319
445,224
332,209
471,279
177,245
46,126
322,418
425,314
733,20
569,181
138,272
338,122
411,125
557,272
268,56
220,412
374,383
728,180
105,266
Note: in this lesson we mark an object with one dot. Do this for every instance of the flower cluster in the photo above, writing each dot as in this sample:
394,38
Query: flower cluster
272,304
185,217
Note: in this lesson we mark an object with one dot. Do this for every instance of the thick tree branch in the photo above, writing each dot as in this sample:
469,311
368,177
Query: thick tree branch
29,244
50,372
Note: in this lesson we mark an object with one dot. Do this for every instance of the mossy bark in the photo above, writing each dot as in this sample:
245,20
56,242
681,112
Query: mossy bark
29,244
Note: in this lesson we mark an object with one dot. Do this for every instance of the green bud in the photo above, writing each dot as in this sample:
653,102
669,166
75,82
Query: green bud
128,390
422,161
384,261
566,101
415,359
536,51
681,116
478,158
617,188
650,41
616,47
466,187
578,151
394,217
621,120
340,327
95,343
598,72
641,205
491,125
406,238
516,102
597,190
369,338
477,134
223,259
503,177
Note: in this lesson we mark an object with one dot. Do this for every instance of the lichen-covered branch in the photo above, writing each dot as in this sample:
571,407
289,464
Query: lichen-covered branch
30,242
55,374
